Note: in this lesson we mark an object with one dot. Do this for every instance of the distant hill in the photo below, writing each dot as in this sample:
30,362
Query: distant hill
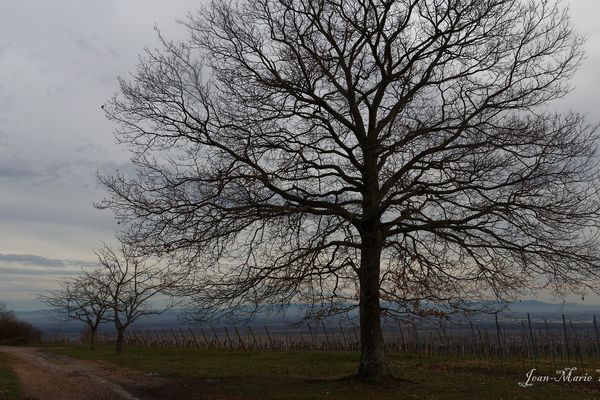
534,306
53,324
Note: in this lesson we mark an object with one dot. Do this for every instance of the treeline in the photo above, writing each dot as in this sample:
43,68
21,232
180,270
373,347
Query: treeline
16,332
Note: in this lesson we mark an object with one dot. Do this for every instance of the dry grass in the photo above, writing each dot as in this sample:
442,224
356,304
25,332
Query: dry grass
9,384
321,375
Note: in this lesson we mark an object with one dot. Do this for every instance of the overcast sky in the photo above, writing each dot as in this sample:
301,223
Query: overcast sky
59,62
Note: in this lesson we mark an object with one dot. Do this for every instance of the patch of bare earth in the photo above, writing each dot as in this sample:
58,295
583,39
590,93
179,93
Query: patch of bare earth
47,376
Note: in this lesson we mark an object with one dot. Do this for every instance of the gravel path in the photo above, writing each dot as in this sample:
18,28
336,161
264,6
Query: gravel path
47,376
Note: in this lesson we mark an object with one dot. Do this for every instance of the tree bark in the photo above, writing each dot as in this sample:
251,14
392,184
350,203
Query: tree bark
93,338
120,338
372,360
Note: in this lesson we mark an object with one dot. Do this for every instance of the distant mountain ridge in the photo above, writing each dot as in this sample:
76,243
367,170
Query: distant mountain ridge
51,322
533,306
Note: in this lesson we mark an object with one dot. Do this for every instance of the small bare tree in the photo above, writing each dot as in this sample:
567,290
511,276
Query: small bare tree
81,298
379,154
5,312
129,283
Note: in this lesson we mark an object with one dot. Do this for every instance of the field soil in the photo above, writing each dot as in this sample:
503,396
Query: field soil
48,376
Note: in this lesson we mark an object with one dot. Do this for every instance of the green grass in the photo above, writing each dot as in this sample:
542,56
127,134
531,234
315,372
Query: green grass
9,384
317,375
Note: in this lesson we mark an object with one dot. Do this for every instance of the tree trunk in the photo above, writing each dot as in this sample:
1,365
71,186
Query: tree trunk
120,337
372,358
93,338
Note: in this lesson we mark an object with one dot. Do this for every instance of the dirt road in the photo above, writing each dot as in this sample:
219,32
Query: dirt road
47,376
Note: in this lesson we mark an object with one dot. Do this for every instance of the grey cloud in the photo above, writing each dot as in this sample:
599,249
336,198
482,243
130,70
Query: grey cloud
86,46
81,167
37,272
16,170
21,167
33,260
113,51
7,102
4,141
30,259
4,46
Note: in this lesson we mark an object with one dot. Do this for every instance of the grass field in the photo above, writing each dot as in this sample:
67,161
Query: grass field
9,384
320,375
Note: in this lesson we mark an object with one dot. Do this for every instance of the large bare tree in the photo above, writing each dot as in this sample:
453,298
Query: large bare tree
394,155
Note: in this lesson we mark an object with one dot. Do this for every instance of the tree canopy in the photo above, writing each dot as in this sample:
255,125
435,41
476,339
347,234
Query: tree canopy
361,154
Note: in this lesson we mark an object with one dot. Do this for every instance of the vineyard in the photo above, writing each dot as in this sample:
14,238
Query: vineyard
564,341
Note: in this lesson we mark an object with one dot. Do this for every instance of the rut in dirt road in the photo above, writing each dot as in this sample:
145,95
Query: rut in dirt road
47,376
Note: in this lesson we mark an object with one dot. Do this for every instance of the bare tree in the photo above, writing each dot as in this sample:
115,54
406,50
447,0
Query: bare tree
81,298
394,155
5,312
130,282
